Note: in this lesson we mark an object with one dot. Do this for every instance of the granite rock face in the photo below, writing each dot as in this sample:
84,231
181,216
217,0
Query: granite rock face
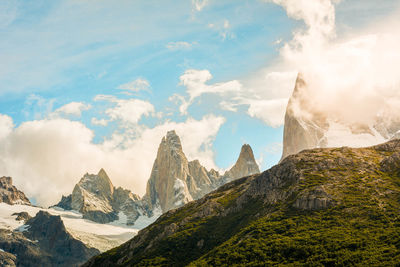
42,241
10,194
304,128
245,165
174,181
308,124
98,200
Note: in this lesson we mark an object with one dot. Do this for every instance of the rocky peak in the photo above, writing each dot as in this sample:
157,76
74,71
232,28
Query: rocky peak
99,184
10,194
172,140
303,128
245,165
308,125
167,183
98,200
174,181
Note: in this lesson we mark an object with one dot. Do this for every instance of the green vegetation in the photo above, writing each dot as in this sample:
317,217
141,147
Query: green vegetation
362,228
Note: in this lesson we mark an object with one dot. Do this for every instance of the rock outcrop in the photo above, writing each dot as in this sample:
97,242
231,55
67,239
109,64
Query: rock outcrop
42,241
10,194
245,165
304,128
174,181
309,125
22,216
98,200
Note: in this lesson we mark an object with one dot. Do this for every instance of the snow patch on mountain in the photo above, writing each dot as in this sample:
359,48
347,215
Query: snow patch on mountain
100,236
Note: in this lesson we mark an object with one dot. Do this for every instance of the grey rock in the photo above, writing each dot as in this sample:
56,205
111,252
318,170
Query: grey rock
315,199
174,181
10,194
22,216
45,242
98,200
245,165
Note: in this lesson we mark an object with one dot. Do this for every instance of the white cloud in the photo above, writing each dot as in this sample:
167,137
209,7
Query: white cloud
198,5
195,83
272,112
6,126
47,157
180,45
73,108
101,122
130,110
366,65
136,85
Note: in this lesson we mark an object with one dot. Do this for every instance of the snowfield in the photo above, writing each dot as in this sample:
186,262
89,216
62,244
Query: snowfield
100,236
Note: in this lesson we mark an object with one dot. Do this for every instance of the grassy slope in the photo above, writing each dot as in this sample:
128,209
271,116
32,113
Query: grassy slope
363,228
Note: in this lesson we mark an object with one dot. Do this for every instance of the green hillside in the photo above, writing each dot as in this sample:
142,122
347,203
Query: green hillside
321,207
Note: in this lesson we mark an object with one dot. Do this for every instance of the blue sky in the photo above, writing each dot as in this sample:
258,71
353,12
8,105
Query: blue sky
130,57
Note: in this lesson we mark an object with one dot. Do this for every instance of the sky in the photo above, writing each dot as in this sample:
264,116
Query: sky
91,84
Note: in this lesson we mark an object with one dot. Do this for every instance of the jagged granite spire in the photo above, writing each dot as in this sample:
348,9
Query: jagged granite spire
98,200
174,181
304,128
167,185
245,165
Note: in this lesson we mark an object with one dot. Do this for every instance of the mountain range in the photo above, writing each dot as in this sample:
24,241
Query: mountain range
97,216
319,207
324,204
174,181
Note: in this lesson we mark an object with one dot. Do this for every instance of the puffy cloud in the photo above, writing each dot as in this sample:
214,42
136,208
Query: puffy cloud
352,79
130,111
101,122
272,112
73,108
6,126
195,83
136,85
47,157
127,111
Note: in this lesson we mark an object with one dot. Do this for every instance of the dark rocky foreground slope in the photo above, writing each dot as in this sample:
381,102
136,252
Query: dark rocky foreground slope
42,241
320,207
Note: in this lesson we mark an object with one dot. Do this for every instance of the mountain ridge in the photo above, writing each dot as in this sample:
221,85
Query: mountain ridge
173,182
324,206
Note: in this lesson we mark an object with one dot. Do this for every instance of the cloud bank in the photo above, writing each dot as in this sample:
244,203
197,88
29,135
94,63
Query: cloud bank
47,157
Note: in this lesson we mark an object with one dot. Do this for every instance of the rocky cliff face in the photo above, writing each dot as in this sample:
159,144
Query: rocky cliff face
325,206
245,165
42,241
304,128
10,194
98,200
308,125
174,181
